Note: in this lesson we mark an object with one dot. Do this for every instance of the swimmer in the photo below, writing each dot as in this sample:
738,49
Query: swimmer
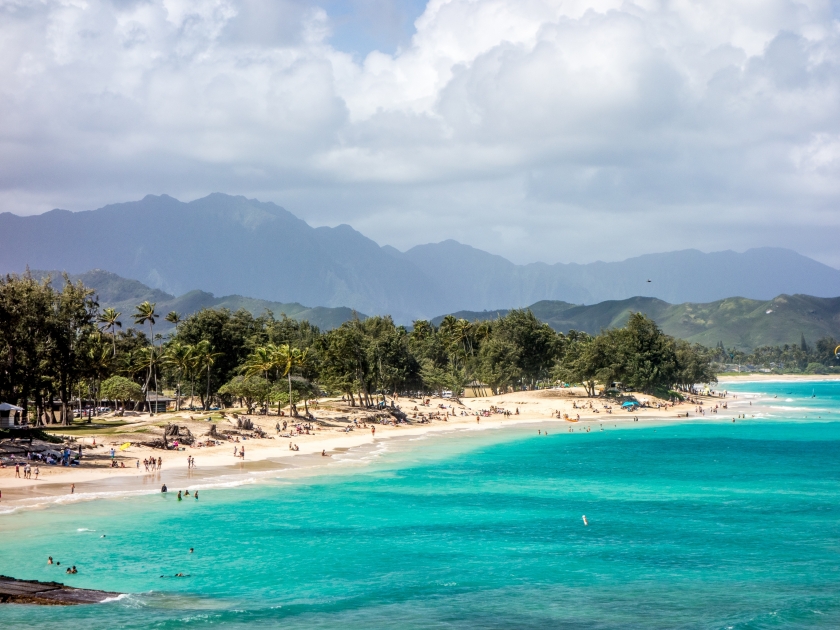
49,560
196,495
179,495
191,549
585,522
163,488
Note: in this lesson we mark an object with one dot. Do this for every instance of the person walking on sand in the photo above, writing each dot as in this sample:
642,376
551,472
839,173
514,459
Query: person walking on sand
37,472
242,452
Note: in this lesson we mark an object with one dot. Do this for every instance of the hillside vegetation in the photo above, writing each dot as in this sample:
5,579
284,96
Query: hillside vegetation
123,294
737,322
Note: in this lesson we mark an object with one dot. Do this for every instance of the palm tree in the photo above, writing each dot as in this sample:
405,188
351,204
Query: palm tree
206,358
286,358
146,314
260,361
174,318
109,318
181,357
99,364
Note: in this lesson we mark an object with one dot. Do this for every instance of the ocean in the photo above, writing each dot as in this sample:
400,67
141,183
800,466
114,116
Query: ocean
707,524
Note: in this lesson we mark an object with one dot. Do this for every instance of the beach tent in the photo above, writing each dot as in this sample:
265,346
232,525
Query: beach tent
7,415
629,404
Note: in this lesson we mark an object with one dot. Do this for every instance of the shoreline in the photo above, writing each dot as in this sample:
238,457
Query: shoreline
780,378
268,458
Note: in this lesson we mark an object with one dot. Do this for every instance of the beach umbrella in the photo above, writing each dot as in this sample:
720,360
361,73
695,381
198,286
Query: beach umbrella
125,446
630,404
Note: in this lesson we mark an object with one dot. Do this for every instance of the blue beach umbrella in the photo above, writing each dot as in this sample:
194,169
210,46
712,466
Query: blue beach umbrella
630,404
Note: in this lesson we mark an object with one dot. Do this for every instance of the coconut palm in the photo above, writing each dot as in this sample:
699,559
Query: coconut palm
287,359
145,313
180,357
174,318
206,358
109,318
100,365
260,361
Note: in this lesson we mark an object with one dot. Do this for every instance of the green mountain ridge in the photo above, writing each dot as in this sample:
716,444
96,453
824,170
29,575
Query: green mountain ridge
124,294
738,322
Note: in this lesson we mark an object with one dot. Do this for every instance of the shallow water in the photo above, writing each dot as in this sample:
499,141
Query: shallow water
708,525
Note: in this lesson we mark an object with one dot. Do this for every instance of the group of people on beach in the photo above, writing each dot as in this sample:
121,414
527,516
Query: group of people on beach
153,464
27,471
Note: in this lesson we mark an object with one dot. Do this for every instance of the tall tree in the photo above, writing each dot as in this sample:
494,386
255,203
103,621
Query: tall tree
145,314
110,318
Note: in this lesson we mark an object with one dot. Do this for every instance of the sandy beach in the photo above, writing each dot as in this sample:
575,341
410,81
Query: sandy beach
265,456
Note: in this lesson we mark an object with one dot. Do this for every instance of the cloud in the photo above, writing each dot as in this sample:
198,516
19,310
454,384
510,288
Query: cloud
537,129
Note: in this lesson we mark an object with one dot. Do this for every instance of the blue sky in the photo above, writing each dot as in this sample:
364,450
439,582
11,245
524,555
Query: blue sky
361,26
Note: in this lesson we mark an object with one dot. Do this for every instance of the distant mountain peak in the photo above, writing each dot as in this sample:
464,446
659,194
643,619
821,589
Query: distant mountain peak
228,244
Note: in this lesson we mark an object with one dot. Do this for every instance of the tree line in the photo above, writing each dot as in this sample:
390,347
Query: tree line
804,358
57,344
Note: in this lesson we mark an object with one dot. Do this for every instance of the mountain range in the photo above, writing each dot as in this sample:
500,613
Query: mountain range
737,322
230,245
124,295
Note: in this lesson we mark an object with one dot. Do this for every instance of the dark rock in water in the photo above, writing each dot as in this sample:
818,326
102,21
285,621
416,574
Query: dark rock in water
14,591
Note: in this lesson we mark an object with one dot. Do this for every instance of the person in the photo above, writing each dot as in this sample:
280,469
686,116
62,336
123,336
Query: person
17,469
37,471
73,570
585,522
242,452
180,498
163,488
195,494
324,453
49,560
373,431
72,488
191,549
186,493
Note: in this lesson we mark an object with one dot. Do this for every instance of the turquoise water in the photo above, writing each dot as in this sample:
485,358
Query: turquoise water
708,525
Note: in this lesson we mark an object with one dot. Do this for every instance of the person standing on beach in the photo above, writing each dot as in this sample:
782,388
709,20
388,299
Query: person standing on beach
373,431
17,470
72,488
37,472
242,452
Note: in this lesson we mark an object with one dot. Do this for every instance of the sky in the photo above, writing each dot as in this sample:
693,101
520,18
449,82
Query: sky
541,130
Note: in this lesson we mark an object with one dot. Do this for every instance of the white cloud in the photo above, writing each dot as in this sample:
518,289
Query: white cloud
539,129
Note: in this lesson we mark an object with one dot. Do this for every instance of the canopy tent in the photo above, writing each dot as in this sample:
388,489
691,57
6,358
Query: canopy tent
630,403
